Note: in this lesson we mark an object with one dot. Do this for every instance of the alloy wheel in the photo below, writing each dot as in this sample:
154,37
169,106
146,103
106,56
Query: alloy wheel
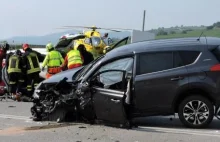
196,112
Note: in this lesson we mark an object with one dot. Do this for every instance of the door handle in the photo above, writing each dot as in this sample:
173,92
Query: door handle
115,100
177,78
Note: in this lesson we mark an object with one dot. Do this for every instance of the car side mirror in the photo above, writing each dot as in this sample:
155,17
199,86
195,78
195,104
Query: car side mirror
93,78
128,75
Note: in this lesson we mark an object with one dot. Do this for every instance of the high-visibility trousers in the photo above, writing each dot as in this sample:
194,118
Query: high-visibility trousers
53,70
74,66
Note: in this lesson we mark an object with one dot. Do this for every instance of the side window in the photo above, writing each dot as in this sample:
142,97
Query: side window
121,64
177,61
189,57
109,79
153,62
87,41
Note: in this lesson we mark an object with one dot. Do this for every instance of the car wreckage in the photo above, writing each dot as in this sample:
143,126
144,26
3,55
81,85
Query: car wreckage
71,98
137,80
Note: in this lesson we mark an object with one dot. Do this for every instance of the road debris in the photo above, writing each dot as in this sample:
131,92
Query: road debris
11,106
82,127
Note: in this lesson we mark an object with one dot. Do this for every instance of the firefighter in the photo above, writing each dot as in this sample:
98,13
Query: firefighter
73,59
53,61
87,56
14,64
31,65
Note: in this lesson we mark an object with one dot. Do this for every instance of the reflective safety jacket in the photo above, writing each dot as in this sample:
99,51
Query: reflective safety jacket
73,58
30,61
53,59
14,64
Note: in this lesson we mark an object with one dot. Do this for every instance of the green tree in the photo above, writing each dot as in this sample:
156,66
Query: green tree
217,24
162,32
172,32
210,27
184,32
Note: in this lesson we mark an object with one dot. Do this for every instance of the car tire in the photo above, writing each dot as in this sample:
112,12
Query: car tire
196,111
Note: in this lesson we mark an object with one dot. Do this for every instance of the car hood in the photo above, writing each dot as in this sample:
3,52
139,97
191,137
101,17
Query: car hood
68,74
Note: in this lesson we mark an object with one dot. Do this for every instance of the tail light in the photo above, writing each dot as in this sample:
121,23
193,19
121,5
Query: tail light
215,68
3,62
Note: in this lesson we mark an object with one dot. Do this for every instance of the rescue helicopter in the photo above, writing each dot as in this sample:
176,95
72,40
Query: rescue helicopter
90,38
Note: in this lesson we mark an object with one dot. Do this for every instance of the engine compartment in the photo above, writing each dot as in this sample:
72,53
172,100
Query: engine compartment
63,102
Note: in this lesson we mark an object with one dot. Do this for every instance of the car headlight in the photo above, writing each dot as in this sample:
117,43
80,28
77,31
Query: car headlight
35,95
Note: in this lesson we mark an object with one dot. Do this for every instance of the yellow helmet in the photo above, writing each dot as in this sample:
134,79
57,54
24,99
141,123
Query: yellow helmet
49,46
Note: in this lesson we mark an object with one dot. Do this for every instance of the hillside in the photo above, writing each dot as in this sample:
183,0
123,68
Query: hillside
38,40
54,37
187,31
161,33
194,33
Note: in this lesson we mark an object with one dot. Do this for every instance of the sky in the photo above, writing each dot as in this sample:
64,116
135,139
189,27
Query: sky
41,17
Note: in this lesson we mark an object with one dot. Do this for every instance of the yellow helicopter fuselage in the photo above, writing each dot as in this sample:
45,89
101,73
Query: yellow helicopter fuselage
93,43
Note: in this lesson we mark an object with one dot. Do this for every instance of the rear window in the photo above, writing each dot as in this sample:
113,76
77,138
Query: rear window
188,57
160,61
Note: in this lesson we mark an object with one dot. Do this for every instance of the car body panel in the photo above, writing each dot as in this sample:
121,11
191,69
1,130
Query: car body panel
150,87
109,105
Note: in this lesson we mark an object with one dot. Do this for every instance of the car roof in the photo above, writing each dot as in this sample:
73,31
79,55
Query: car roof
164,44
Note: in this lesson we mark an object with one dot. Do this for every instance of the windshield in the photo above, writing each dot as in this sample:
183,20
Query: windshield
95,41
81,74
63,43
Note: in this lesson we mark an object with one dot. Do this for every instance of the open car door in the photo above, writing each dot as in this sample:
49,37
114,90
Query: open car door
108,89
122,42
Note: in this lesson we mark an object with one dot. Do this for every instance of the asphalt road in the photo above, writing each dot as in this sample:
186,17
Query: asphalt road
16,125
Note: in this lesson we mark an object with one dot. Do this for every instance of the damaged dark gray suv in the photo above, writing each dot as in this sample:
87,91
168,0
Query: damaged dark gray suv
149,78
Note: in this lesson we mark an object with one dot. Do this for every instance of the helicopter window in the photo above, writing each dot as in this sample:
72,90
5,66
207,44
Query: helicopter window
87,41
96,41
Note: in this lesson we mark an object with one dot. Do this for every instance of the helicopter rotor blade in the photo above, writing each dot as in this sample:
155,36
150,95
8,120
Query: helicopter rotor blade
110,29
64,28
80,27
74,30
118,29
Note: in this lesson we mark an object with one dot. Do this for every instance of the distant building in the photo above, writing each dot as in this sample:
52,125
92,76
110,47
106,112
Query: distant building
137,36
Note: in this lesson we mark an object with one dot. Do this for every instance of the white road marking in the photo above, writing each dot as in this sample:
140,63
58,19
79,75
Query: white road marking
15,117
200,132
